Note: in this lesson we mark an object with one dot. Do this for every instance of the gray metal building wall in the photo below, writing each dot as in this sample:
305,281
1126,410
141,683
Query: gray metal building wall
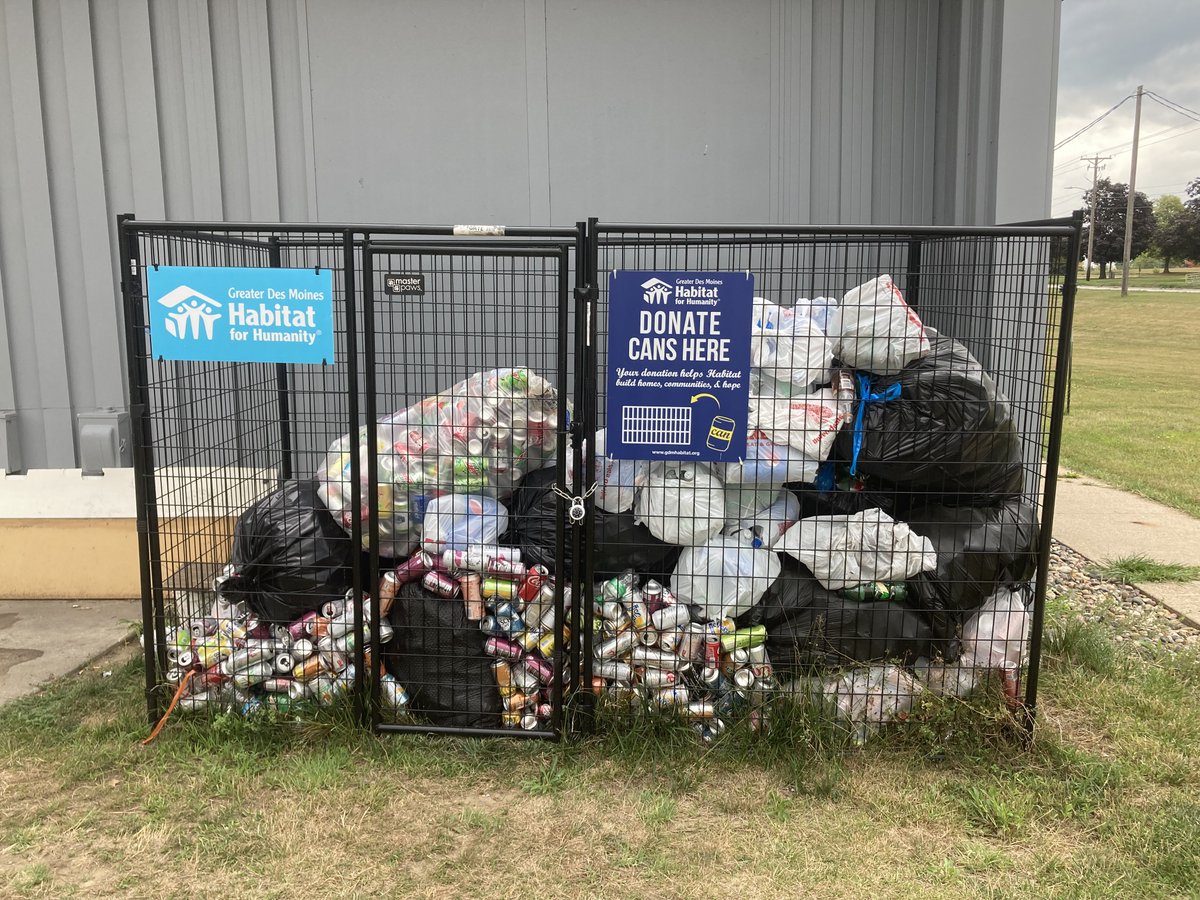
516,111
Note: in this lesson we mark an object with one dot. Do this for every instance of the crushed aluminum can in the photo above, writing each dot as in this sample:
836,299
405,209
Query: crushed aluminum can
614,670
299,628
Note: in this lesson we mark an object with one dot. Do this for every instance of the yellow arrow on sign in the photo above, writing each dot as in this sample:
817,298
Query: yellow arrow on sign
710,397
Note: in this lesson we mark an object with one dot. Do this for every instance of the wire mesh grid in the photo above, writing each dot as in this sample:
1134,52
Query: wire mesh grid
879,539
270,511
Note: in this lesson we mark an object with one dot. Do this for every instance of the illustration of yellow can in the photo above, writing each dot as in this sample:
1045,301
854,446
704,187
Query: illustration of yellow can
720,433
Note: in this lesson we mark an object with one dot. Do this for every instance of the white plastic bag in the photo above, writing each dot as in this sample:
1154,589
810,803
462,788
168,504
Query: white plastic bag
682,503
454,521
847,550
764,529
820,310
617,480
869,698
999,632
807,422
785,344
723,577
874,329
766,462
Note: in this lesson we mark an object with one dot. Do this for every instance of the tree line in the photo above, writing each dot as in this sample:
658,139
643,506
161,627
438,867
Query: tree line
1168,228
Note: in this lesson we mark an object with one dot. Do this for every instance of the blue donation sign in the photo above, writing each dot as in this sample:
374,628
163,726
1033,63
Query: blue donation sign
678,364
220,314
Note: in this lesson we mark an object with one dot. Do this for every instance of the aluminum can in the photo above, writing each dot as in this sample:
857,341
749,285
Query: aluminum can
254,674
299,628
277,685
303,649
531,585
548,619
618,588
392,693
211,650
333,609
244,659
652,594
740,657
639,617
524,680
647,637
659,678
500,588
598,685
414,568
441,584
542,670
614,670
511,719
691,643
489,625
757,655
502,648
547,641
472,596
388,586
670,641
284,663
174,675
653,658
308,669
516,701
666,617
714,682
732,703
743,679
386,633
744,638
503,672
201,701
615,612
316,627
671,696
712,652
528,640
325,644
300,690
545,710
618,646
333,662
212,677
701,709
504,568
529,721
188,660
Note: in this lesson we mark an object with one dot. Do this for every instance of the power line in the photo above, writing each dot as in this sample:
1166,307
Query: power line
1178,106
1091,124
1170,108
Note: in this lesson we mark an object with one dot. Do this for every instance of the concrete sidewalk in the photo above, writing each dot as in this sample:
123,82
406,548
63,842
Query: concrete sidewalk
45,639
1102,522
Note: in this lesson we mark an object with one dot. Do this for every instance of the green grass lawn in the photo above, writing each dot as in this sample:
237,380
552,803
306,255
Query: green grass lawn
1135,394
1143,279
1105,803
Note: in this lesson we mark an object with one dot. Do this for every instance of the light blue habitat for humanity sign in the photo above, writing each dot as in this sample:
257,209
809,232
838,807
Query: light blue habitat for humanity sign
222,314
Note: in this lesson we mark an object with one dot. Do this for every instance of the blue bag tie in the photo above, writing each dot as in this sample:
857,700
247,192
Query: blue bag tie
865,396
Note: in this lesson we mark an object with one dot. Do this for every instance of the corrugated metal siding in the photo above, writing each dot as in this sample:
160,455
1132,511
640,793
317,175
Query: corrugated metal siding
517,111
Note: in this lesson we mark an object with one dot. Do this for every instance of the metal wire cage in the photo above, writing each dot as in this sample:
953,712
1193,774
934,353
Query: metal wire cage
886,532
310,534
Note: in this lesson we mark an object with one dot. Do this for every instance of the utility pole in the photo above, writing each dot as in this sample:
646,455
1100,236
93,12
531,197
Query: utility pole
1137,125
1095,163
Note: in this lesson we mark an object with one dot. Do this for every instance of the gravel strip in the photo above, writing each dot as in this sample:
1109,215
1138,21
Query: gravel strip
1134,617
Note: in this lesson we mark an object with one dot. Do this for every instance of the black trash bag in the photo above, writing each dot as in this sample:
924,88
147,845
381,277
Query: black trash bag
815,502
978,550
619,543
949,438
289,554
811,627
437,654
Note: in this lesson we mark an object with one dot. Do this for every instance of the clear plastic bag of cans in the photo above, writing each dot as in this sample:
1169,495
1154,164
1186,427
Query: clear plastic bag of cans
480,436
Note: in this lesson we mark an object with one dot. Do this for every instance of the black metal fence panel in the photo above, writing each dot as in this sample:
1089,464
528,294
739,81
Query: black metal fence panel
886,534
341,531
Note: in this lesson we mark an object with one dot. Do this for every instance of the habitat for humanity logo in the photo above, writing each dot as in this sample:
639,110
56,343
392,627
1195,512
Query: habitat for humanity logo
656,291
191,311
216,313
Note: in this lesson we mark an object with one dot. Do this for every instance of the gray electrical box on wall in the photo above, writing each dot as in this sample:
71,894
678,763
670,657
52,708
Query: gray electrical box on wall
104,441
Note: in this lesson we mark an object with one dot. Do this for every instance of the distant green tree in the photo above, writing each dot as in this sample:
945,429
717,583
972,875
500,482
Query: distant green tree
1173,230
1110,199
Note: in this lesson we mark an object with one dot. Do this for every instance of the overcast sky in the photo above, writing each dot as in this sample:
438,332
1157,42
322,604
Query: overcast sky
1109,47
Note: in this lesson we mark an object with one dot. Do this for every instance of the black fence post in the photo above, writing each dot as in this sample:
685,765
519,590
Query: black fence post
1050,487
282,390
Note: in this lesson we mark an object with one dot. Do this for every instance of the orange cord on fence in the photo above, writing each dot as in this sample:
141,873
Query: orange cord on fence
171,708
